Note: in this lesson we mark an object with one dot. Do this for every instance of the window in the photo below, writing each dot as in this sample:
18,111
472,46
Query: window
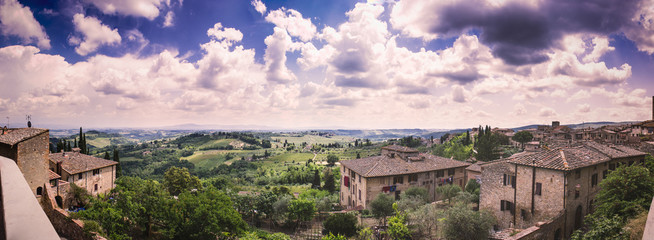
509,180
576,194
398,179
593,180
506,206
95,188
604,173
359,178
359,194
450,172
612,166
440,173
413,178
96,172
539,189
428,175
79,176
578,174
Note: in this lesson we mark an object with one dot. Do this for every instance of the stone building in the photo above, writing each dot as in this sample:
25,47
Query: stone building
557,185
96,175
473,172
393,172
29,148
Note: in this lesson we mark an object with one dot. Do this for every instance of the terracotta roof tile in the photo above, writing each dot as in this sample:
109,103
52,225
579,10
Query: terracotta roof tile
386,166
74,162
398,148
53,175
474,167
16,135
569,158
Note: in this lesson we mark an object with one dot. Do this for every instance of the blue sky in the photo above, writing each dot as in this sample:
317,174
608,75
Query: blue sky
324,64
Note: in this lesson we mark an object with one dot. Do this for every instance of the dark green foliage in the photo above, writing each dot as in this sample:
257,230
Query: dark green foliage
410,141
333,237
382,206
522,137
397,228
448,191
119,171
178,180
315,184
472,186
488,143
331,160
417,192
625,192
602,228
330,181
462,223
301,210
344,224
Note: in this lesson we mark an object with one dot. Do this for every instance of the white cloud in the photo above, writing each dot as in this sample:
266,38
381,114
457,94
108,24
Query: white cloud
458,94
277,45
641,30
229,34
259,6
547,112
293,22
95,34
139,8
600,47
168,20
583,108
18,20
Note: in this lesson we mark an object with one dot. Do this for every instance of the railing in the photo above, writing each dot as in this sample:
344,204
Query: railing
23,216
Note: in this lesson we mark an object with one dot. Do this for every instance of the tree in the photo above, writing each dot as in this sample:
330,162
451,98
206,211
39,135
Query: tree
601,228
397,228
119,172
625,192
341,224
315,184
331,160
358,155
144,202
522,137
301,210
330,181
207,214
487,144
448,191
106,156
178,180
381,207
417,192
462,223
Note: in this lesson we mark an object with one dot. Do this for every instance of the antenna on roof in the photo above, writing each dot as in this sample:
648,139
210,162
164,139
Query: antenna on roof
29,123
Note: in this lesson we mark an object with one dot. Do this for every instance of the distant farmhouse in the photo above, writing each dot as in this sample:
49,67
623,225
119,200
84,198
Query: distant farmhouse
397,169
553,189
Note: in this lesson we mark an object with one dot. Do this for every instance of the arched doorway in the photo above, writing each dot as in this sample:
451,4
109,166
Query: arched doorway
59,201
578,218
39,191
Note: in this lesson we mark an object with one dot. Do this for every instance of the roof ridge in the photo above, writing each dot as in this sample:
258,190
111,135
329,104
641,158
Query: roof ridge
372,168
565,161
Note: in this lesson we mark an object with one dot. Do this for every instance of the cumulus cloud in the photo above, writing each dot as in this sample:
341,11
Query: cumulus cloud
94,35
293,22
583,108
18,20
547,112
458,94
139,8
168,19
519,33
259,6
276,46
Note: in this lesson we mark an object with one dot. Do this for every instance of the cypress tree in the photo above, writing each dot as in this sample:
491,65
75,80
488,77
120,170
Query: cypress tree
106,155
316,180
117,159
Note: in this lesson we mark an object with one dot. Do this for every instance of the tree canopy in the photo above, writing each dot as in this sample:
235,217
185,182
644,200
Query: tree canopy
178,180
522,137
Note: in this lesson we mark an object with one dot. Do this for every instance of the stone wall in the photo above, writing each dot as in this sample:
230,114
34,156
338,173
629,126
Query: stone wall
371,187
493,191
105,180
33,160
542,230
61,221
547,205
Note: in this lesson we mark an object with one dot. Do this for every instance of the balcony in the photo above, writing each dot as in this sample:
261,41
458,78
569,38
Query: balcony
21,216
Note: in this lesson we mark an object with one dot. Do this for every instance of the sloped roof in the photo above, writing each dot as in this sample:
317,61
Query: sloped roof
378,166
569,158
16,135
474,167
53,175
399,148
74,162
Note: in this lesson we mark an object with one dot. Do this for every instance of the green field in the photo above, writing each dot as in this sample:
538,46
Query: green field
311,139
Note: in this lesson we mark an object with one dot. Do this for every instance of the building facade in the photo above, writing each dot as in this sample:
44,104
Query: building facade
96,175
393,172
549,185
29,148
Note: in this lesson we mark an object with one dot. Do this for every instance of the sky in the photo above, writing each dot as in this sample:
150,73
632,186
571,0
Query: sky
434,64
